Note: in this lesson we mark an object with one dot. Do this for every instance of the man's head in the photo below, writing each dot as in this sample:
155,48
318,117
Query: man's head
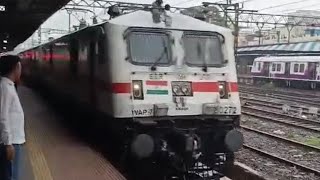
159,2
10,67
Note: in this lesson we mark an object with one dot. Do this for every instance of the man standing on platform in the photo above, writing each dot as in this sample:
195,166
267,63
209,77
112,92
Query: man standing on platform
12,134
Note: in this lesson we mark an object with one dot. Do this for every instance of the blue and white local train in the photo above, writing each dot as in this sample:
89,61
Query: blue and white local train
170,87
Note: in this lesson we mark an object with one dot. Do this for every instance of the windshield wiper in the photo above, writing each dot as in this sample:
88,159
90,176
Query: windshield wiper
165,51
199,51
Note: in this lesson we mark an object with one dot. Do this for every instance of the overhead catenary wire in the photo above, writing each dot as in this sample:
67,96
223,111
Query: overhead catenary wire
281,5
182,2
245,1
188,1
302,8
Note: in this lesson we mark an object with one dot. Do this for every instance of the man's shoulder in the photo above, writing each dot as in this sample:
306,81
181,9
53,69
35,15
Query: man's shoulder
6,87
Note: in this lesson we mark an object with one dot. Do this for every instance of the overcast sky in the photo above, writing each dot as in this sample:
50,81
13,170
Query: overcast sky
60,19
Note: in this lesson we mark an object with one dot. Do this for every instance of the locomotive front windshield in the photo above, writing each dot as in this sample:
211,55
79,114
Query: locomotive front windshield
149,48
202,50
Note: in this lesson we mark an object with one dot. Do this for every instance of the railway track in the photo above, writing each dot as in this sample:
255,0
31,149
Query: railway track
307,101
279,138
307,124
255,107
280,159
275,105
283,91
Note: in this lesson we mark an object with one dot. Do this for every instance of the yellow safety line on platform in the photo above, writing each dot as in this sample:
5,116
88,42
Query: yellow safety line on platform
40,168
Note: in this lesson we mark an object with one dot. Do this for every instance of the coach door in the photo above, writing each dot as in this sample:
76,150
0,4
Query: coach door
265,69
287,69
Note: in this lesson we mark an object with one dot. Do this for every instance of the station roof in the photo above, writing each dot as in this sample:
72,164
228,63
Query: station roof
20,18
300,47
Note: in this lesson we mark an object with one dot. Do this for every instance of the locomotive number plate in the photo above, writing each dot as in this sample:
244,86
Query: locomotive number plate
225,110
142,112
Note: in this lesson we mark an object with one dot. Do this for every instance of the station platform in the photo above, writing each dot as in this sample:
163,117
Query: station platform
52,153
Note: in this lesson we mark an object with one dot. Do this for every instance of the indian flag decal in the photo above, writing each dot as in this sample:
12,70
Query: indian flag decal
157,87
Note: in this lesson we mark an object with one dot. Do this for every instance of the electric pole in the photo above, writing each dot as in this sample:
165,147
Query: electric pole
236,11
39,35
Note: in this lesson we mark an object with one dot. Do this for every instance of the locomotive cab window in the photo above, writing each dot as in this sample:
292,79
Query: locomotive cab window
202,50
149,48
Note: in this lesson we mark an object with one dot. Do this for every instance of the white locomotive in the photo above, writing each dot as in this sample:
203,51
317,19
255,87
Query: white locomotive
165,82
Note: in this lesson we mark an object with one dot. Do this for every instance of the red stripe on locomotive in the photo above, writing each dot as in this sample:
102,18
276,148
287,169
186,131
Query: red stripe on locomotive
121,88
233,87
205,87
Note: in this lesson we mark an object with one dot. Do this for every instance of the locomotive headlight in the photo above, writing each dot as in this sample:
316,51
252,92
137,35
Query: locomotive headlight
223,90
181,88
176,90
185,90
136,86
137,89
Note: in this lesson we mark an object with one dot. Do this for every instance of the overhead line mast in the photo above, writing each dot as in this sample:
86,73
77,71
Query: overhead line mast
234,14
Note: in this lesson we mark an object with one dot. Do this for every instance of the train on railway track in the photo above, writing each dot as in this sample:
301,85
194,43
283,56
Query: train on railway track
289,71
165,82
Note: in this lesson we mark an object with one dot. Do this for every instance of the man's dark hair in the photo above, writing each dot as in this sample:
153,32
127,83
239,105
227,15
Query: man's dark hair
8,63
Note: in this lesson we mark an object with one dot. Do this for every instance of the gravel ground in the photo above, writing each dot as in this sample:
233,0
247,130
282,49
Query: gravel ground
281,149
289,132
272,169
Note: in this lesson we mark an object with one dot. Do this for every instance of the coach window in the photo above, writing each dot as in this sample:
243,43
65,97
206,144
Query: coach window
147,48
301,69
276,67
298,68
259,66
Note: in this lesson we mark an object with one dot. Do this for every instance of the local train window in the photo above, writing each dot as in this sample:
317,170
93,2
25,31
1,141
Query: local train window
259,66
149,48
278,67
273,67
202,50
296,68
301,69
